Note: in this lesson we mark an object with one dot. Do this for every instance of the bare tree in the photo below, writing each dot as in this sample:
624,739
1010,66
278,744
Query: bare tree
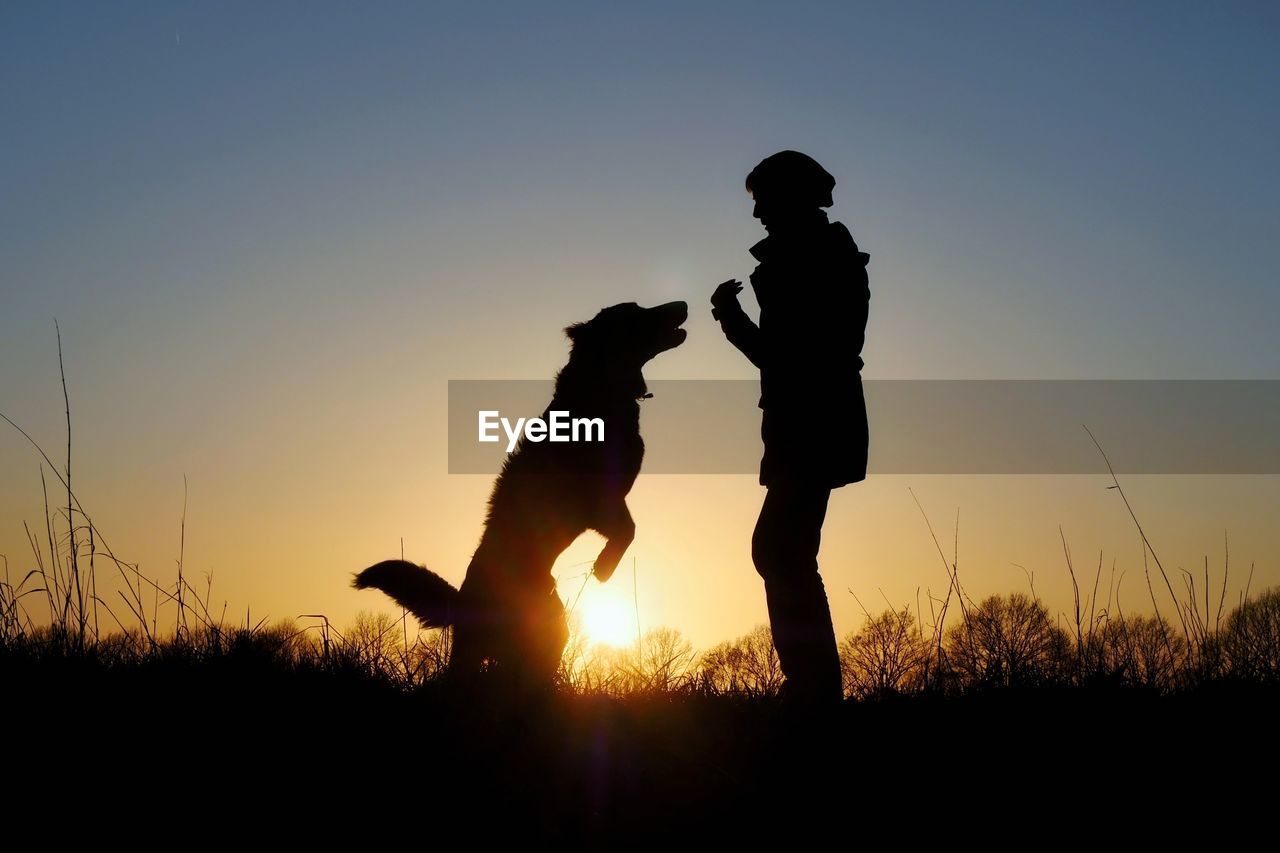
748,665
663,661
1143,651
1251,638
1009,642
888,655
374,640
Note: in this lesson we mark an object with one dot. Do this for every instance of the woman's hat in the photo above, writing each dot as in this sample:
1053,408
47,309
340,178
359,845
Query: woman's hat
790,174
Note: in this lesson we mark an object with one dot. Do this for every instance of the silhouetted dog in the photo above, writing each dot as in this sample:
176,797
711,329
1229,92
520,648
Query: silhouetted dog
507,613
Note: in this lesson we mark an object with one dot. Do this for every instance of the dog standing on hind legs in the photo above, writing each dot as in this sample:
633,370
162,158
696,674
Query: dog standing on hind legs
506,614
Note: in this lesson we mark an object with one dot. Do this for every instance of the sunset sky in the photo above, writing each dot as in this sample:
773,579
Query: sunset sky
271,233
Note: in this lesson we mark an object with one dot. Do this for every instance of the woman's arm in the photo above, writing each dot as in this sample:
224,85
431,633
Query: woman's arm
741,332
734,322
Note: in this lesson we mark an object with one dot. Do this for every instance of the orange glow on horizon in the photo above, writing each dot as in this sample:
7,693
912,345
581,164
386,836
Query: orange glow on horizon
607,619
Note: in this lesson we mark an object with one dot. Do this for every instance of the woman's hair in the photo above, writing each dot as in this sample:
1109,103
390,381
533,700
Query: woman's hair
794,176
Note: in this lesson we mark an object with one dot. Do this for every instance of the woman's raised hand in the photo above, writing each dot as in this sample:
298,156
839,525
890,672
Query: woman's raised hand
726,293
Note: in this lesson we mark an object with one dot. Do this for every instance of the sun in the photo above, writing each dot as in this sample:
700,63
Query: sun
607,619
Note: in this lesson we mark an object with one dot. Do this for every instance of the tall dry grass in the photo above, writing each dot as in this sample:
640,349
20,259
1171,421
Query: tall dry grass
1002,641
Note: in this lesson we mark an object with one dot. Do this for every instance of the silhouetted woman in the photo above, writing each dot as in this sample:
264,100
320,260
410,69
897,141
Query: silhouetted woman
812,288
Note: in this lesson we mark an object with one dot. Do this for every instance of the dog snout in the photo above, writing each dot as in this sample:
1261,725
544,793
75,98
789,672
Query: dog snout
674,312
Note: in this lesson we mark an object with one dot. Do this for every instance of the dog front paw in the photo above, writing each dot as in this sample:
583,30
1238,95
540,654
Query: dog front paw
603,568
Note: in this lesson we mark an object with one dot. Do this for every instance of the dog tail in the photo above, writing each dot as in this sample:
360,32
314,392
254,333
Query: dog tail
419,590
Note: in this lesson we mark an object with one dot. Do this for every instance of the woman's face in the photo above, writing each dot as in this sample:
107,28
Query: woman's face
777,212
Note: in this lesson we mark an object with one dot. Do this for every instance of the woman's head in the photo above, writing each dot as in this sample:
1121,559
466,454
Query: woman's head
788,186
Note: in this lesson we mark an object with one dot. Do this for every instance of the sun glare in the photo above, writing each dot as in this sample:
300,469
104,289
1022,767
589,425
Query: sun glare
606,619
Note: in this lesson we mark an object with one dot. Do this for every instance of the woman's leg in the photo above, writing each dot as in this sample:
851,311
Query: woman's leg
784,548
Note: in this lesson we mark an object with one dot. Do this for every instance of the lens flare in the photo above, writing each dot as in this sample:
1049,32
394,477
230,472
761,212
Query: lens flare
607,619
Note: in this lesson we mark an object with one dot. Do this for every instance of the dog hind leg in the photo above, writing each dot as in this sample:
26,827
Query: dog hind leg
544,634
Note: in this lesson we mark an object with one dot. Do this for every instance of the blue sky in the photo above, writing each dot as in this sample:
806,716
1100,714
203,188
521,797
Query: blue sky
262,225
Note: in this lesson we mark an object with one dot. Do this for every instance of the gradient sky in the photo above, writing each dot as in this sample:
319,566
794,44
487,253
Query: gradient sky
271,233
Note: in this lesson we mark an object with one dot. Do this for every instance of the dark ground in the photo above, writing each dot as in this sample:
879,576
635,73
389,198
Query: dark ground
309,754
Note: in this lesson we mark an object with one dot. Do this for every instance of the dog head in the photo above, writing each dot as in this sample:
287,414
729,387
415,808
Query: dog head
629,334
